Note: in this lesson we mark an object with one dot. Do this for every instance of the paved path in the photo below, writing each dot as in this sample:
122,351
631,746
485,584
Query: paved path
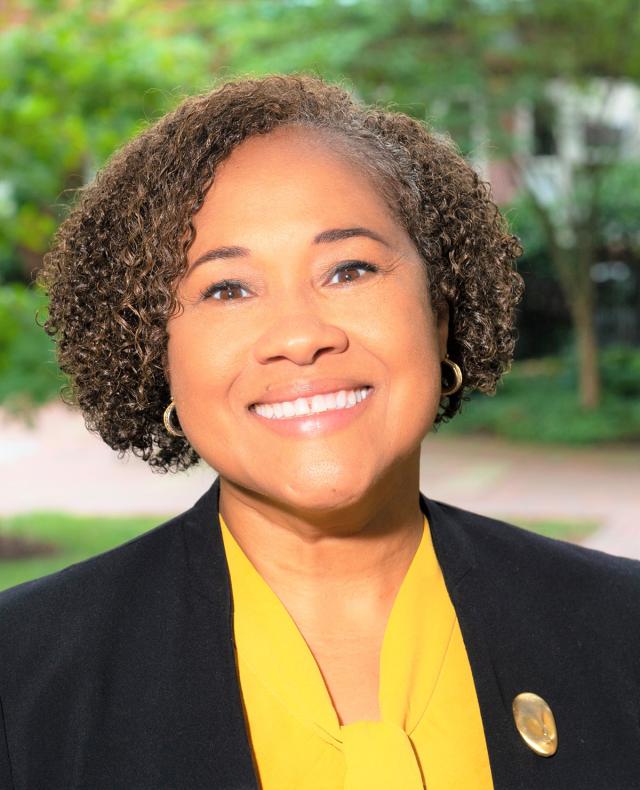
509,481
58,465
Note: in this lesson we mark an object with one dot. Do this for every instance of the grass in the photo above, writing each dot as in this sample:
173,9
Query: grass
79,537
574,531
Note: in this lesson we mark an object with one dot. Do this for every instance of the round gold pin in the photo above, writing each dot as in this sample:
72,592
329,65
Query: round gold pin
535,723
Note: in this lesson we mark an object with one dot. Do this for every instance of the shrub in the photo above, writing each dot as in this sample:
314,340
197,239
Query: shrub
29,374
537,401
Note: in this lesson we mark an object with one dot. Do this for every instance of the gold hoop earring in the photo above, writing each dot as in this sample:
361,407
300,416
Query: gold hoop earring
458,377
166,419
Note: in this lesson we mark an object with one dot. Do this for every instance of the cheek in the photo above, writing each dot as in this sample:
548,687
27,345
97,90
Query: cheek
202,370
412,358
201,365
408,323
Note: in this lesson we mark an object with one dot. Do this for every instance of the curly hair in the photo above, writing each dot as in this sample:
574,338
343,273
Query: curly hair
115,263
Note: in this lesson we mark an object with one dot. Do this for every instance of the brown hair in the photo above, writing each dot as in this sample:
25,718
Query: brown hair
113,269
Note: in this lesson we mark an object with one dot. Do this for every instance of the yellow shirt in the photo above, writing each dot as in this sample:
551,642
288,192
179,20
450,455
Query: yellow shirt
430,733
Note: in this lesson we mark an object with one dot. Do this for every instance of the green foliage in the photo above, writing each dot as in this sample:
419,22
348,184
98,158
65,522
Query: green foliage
620,205
76,81
79,78
29,374
618,210
537,402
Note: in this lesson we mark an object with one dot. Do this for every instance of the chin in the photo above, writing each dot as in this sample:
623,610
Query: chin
326,490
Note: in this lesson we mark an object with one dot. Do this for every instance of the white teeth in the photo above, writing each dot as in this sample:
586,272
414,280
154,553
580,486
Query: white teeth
344,399
318,403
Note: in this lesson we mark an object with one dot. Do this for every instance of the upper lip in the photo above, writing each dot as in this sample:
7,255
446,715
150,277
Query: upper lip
307,389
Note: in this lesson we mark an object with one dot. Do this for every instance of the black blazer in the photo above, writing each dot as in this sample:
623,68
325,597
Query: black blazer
119,671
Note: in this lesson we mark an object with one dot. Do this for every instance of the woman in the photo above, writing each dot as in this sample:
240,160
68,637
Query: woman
296,288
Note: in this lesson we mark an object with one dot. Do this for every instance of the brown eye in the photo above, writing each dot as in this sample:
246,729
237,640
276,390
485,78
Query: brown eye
349,266
223,291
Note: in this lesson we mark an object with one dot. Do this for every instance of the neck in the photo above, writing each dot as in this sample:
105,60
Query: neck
352,559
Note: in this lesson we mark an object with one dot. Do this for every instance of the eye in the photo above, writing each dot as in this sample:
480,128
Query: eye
222,291
352,265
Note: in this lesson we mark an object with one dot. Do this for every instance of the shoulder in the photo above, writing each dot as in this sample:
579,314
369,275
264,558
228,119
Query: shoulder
493,532
576,600
527,570
521,551
83,594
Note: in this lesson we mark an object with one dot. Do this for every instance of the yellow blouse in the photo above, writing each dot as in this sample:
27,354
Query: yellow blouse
430,733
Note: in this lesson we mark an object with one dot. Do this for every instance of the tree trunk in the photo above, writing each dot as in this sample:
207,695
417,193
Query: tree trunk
589,383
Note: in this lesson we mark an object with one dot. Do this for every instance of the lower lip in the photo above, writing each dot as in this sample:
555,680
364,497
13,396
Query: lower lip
315,424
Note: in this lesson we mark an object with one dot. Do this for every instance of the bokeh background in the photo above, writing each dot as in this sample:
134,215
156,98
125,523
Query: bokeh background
541,96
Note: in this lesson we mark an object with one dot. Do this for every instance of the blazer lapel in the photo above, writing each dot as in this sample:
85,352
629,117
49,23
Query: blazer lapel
472,599
492,644
230,760
529,623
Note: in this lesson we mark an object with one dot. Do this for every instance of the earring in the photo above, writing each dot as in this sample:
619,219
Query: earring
166,419
457,374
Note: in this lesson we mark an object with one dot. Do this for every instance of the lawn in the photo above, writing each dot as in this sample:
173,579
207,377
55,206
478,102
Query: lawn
74,538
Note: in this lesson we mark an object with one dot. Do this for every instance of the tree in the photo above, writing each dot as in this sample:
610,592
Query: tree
78,78
76,81
470,66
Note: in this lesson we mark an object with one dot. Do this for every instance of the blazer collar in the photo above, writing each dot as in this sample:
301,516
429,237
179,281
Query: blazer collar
207,561
471,593
497,675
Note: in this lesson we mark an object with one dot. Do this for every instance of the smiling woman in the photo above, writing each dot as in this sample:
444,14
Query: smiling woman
311,252
296,288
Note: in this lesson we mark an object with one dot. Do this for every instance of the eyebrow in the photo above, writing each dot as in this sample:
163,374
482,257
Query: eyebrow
326,236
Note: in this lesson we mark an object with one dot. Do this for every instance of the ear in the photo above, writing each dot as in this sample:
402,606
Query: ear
442,322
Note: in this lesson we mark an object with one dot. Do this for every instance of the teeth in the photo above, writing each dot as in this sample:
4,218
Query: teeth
344,399
318,403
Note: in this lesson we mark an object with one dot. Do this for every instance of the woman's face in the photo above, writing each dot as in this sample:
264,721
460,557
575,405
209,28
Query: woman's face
326,292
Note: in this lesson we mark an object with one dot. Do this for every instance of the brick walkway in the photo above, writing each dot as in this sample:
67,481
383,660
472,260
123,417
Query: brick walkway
58,465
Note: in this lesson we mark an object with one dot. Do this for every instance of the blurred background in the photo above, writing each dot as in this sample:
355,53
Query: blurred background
541,96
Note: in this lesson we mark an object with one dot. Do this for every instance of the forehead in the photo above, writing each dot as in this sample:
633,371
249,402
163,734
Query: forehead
295,144
293,174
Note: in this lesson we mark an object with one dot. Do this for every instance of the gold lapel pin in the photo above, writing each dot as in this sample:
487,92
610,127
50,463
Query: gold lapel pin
535,723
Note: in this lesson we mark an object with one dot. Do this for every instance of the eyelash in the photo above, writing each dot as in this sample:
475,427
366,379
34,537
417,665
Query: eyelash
223,285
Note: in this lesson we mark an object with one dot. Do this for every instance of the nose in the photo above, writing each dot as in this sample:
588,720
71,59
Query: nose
300,339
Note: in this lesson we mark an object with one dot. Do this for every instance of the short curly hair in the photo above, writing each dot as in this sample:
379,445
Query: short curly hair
115,263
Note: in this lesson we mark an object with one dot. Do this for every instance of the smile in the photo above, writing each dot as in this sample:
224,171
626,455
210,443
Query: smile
301,407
